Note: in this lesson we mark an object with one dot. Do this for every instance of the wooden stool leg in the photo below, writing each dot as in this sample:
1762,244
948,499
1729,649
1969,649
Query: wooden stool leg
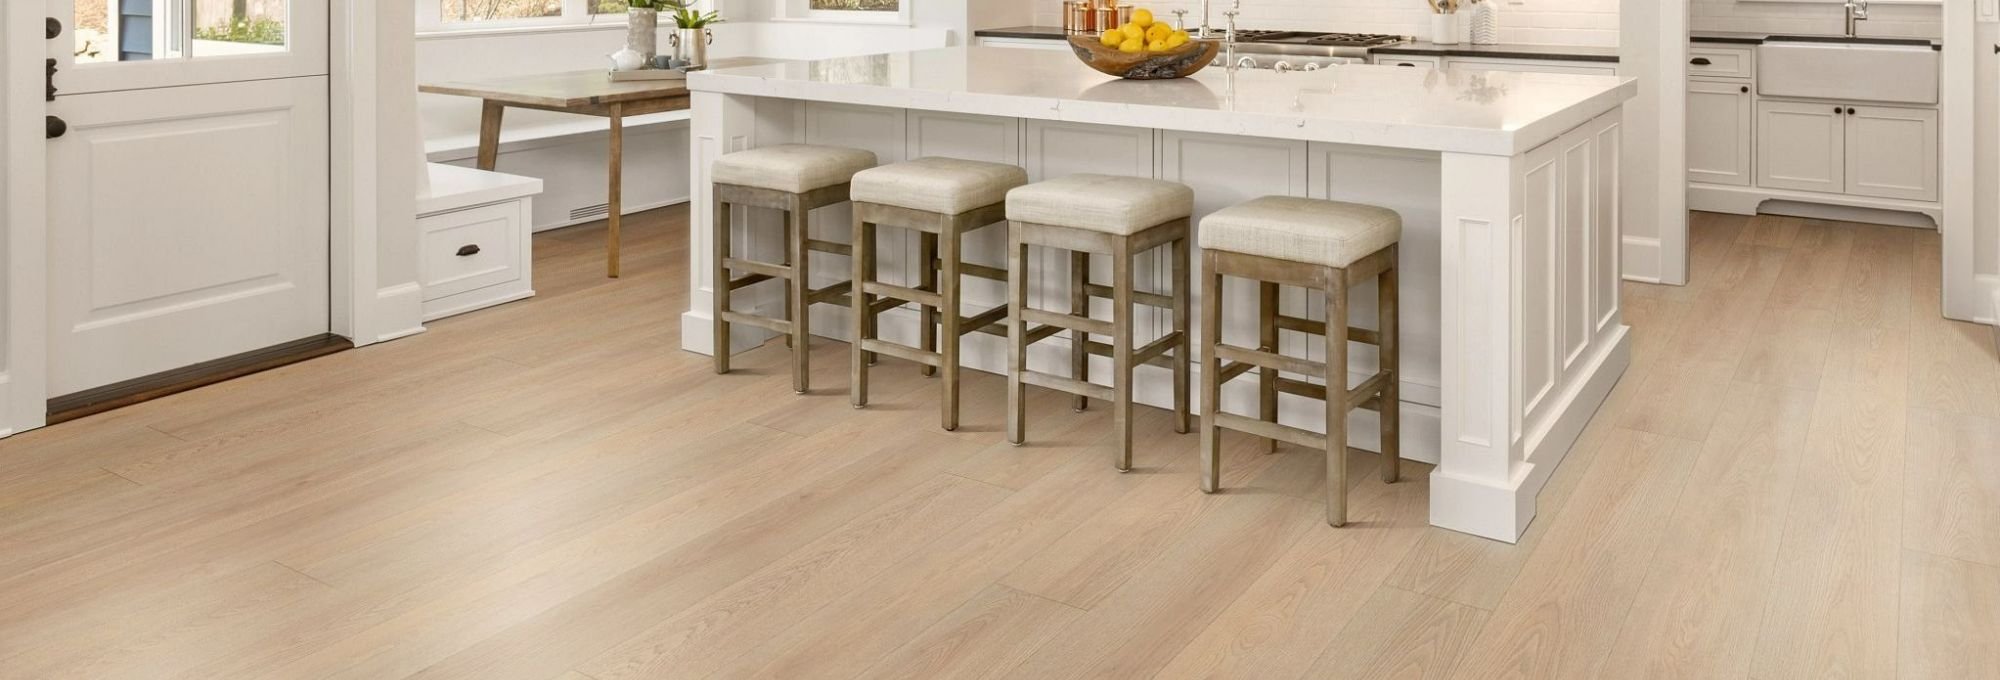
863,264
1121,351
1392,405
1017,341
1336,399
1183,297
792,274
1267,340
950,244
927,273
1079,305
1211,375
719,275
800,310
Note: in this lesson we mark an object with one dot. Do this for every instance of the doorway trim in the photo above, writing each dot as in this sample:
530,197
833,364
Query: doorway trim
356,83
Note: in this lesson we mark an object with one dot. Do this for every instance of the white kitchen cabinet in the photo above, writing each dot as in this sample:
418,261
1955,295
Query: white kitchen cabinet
1407,61
1595,68
474,249
1801,145
1719,140
1026,43
1892,152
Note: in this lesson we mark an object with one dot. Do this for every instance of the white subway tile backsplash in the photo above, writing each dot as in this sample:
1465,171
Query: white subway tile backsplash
1568,22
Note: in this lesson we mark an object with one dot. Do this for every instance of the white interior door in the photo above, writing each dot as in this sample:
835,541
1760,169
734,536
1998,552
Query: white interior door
188,198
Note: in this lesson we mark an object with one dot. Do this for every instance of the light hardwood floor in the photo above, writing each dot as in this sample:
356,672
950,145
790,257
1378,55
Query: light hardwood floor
1799,477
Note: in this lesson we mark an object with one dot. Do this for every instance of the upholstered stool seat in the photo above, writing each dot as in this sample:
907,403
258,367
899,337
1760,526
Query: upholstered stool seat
791,168
794,178
947,186
1326,233
1122,217
1326,246
1102,203
942,199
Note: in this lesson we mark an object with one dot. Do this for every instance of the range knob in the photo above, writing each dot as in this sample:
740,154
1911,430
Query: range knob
1310,67
1282,66
1246,62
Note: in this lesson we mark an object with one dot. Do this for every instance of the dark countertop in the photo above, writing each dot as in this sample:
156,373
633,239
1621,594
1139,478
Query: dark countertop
1564,52
1742,38
1505,51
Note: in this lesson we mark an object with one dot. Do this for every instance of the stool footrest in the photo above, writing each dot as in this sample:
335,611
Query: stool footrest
836,293
1157,349
1369,389
1371,401
1101,291
1067,321
750,280
780,326
1069,385
1293,323
776,271
1262,359
1236,369
923,297
978,270
901,352
829,247
995,317
1270,430
1104,349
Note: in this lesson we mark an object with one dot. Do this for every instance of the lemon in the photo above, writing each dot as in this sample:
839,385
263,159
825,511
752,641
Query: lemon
1133,32
1157,46
1158,33
1132,45
1176,40
1113,37
1142,17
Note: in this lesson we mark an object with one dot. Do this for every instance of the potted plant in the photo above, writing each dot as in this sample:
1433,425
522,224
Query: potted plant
643,26
692,37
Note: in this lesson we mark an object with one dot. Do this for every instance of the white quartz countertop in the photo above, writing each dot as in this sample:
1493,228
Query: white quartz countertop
1480,112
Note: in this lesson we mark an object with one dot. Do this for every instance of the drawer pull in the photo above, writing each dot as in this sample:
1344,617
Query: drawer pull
1407,64
1701,61
468,250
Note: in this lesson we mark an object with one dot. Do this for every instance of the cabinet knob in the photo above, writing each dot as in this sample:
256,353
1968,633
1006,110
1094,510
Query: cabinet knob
1850,110
1746,89
54,28
1837,110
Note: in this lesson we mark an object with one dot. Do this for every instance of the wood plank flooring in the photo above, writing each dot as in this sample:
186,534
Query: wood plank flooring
1799,478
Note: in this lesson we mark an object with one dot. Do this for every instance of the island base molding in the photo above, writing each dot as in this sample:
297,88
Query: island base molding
1511,328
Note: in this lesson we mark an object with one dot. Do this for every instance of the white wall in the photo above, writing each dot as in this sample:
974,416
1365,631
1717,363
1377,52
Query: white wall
1986,189
1559,22
1829,18
396,139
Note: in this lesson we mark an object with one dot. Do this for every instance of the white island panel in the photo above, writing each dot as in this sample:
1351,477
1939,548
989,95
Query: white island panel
1507,184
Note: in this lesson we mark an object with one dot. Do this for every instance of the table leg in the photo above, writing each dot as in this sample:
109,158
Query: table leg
615,204
489,134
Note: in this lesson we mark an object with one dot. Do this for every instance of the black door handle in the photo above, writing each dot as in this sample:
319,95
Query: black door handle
55,28
1701,61
57,127
468,250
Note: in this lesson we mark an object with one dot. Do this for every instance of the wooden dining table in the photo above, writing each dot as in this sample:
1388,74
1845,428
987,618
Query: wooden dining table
586,93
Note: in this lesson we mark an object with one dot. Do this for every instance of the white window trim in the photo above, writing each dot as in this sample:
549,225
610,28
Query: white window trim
799,10
575,14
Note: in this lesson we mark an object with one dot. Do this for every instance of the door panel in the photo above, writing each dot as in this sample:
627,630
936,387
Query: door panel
1892,152
187,224
1801,146
1718,143
116,45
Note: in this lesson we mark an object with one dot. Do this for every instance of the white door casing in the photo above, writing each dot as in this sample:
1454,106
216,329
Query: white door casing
188,204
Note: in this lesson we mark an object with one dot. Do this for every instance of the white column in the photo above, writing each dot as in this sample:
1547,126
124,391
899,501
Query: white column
1475,488
718,124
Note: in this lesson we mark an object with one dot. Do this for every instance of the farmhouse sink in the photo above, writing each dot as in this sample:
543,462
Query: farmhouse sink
1902,72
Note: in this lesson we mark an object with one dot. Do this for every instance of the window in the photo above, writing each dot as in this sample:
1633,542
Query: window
456,15
859,11
856,5
141,30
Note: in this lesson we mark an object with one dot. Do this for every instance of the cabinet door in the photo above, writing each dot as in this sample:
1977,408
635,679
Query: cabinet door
1801,146
1531,66
1893,153
1718,134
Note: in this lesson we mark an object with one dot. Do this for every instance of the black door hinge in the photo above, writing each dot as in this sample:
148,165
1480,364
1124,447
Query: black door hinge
52,79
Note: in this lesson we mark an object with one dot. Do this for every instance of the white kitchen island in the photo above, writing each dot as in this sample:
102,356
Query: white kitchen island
1508,184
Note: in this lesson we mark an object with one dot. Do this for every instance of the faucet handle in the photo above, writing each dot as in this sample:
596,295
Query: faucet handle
1180,20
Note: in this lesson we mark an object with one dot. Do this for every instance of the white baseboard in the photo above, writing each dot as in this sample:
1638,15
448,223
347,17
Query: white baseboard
1641,256
629,211
400,311
1738,200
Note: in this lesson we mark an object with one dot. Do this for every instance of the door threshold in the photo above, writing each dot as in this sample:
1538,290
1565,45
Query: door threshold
147,388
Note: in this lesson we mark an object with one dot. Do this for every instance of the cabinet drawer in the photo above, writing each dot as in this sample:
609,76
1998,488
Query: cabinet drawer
1722,62
471,249
1406,61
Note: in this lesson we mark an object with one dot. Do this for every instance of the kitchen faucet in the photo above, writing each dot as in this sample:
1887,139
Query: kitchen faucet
1857,10
1207,33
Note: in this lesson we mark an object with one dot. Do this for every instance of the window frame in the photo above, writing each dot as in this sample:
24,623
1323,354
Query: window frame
575,14
801,10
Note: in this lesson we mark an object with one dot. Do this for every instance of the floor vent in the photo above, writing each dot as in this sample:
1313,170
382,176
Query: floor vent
590,212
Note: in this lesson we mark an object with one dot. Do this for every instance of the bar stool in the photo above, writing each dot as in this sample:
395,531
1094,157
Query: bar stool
1321,245
1117,216
942,199
794,178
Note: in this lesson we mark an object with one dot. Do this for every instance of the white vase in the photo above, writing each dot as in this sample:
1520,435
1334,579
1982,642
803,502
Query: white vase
1486,23
642,33
1444,29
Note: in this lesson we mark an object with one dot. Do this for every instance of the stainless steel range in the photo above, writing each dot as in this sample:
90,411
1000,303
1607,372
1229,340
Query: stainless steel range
1303,50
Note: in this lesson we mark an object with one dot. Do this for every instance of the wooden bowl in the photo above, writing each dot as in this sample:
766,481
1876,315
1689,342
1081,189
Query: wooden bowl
1179,62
